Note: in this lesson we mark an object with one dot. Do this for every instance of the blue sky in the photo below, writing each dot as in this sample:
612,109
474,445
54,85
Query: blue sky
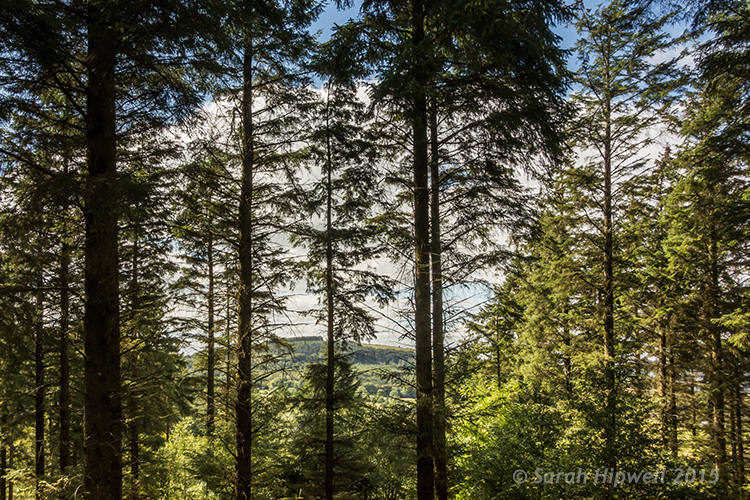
332,16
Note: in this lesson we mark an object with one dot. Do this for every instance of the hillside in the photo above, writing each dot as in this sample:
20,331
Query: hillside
375,366
378,367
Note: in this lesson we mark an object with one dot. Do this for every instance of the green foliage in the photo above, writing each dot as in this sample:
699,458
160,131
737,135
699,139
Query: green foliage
189,465
555,445
618,337
504,436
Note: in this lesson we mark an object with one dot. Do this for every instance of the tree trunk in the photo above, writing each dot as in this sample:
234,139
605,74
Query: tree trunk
330,361
610,425
102,425
211,362
498,361
709,313
245,329
64,340
3,471
229,383
422,302
567,365
4,436
438,352
664,387
737,444
732,404
717,399
673,444
11,453
693,413
39,390
133,430
135,455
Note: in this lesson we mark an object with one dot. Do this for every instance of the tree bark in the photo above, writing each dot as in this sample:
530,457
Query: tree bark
739,455
663,387
64,352
211,362
693,412
567,363
64,344
709,312
39,390
133,431
438,334
673,444
102,413
4,458
608,304
135,454
422,302
3,471
330,360
245,329
229,383
11,453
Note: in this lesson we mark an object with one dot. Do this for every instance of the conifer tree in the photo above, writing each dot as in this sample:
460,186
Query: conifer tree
705,245
204,230
650,292
88,53
261,46
344,156
622,94
718,151
148,352
454,60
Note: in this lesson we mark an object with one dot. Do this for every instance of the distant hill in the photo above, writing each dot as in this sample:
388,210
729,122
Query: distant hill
314,338
373,364
367,354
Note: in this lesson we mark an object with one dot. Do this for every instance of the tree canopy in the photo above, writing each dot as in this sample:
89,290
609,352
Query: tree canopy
209,221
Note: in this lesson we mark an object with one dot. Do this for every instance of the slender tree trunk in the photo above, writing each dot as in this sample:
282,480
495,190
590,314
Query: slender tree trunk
730,382
211,364
567,367
673,444
709,313
667,394
498,361
11,453
4,439
740,457
135,455
422,302
64,340
331,360
102,413
117,430
664,387
438,352
133,430
3,470
229,383
40,389
609,302
693,413
717,399
245,329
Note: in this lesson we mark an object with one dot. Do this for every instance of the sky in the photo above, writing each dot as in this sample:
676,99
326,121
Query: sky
332,16
389,325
